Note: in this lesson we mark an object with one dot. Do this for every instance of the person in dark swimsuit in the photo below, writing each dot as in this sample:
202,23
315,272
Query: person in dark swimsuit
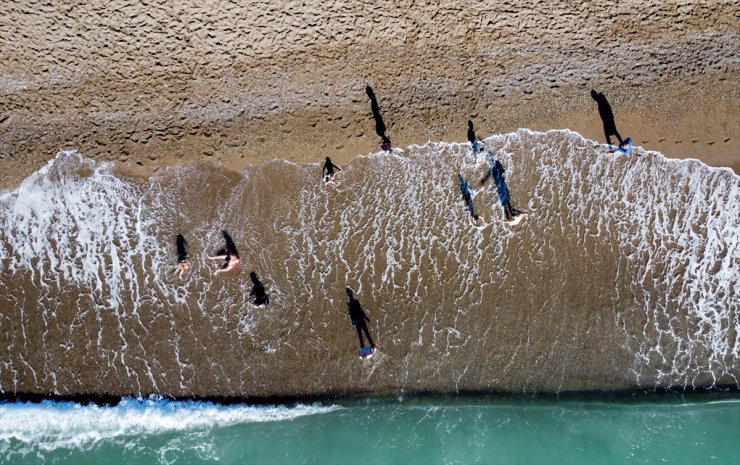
182,256
328,171
229,255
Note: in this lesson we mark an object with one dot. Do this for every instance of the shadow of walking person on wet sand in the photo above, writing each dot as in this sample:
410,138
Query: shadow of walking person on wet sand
379,124
474,143
258,296
358,318
607,117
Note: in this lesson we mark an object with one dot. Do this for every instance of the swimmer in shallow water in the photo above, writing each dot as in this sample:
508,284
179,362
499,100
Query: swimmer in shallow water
328,171
229,255
182,256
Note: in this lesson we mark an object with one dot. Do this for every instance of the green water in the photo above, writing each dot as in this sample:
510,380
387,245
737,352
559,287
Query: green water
664,429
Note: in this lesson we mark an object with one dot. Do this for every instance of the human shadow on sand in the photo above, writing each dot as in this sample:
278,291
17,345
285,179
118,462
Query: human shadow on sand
358,318
474,143
258,296
380,128
607,117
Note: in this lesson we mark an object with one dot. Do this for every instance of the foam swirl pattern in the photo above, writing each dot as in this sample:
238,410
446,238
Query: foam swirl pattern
620,276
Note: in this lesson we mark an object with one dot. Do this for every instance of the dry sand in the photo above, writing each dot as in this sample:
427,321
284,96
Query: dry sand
153,83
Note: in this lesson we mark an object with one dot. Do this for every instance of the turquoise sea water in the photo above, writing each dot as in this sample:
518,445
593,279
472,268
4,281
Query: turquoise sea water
658,429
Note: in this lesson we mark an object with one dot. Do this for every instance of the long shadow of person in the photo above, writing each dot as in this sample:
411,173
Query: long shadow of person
358,318
471,137
230,246
467,194
607,117
496,171
379,124
258,295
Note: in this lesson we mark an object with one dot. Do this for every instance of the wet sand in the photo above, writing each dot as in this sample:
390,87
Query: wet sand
149,86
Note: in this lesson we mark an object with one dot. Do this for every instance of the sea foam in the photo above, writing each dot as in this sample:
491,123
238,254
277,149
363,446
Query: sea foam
51,425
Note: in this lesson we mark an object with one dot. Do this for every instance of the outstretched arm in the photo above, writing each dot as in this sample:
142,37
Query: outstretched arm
218,257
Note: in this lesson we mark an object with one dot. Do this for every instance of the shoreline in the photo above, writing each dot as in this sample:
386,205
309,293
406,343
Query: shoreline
714,145
631,395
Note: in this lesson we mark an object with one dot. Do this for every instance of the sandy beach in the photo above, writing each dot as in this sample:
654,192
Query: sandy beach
151,84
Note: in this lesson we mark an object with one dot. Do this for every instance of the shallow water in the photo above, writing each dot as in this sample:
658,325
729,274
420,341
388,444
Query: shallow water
621,275
655,429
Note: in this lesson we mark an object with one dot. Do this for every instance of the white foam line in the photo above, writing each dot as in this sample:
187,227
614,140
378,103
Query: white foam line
53,425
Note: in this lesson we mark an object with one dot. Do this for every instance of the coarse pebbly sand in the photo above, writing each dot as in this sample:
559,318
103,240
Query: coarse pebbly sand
148,84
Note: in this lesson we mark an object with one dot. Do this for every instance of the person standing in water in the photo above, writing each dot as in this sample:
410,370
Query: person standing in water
328,171
496,171
182,256
229,255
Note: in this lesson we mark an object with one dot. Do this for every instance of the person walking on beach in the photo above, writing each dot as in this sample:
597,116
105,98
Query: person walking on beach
467,194
358,318
182,256
328,171
496,171
607,117
229,255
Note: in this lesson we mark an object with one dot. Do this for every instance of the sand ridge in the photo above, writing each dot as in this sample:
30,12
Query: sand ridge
149,84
